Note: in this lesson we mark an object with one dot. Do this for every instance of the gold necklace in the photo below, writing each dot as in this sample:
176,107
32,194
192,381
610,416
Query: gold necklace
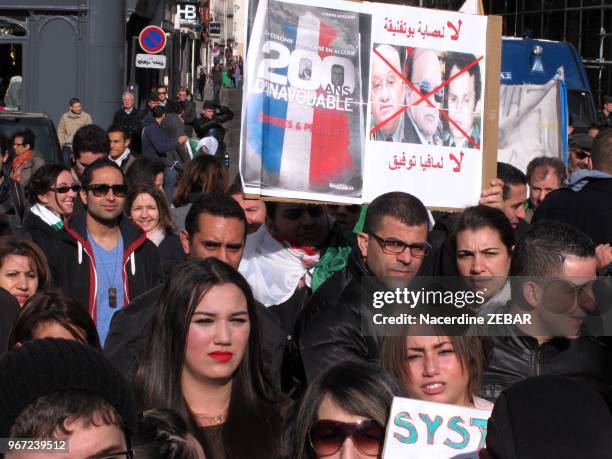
211,420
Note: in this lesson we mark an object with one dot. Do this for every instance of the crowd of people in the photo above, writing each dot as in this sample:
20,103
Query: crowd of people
152,309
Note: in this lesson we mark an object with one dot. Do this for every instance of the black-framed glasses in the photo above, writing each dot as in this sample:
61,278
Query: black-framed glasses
18,144
65,189
101,189
327,436
161,93
397,247
425,87
129,454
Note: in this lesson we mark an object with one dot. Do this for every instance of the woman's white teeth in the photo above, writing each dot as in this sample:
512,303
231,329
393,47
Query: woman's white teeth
433,386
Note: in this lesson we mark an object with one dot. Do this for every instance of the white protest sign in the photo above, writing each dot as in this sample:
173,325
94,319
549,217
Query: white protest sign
427,91
151,61
346,101
424,430
529,123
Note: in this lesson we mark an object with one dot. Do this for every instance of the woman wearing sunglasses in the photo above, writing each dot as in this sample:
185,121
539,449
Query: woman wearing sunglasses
343,413
442,369
52,193
204,362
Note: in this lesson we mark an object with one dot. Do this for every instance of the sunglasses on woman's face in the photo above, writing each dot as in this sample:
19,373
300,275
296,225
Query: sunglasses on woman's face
327,436
65,189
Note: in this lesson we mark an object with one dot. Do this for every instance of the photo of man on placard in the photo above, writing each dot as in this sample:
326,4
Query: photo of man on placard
424,71
388,92
462,101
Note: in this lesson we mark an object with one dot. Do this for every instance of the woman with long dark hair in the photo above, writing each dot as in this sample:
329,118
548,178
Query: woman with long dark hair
343,413
52,313
204,362
203,174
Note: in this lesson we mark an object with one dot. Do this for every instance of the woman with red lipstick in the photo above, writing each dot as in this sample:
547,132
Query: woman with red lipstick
23,268
443,369
204,362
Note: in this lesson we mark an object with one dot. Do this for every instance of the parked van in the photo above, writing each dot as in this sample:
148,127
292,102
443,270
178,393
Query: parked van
528,61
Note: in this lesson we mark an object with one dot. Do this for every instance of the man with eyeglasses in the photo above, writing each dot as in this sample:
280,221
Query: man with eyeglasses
390,252
66,400
422,121
579,157
162,95
103,259
553,279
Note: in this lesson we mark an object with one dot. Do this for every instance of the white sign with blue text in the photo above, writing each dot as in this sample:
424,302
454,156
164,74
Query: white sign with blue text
426,430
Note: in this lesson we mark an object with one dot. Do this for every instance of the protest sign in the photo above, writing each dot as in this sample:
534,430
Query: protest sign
530,122
424,430
346,101
302,133
427,96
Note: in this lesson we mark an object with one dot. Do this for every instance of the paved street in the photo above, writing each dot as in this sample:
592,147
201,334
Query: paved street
233,99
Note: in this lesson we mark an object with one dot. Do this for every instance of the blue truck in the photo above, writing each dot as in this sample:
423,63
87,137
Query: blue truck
529,61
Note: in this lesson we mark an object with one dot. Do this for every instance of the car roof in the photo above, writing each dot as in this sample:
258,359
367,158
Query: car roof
17,113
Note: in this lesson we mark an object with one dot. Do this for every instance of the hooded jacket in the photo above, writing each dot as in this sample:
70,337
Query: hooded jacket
73,265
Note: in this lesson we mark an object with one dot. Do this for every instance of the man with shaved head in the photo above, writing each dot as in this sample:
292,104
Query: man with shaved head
422,121
388,94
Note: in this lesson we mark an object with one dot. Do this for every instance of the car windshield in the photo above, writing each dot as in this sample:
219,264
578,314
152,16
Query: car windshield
46,138
580,108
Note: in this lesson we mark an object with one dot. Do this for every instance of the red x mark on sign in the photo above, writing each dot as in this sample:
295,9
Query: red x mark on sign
425,97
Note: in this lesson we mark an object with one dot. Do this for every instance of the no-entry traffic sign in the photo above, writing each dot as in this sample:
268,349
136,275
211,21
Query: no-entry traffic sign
152,39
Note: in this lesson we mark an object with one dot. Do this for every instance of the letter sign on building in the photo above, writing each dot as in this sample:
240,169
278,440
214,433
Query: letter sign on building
188,14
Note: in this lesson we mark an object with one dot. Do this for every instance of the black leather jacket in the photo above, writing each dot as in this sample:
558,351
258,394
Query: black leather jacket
329,329
517,357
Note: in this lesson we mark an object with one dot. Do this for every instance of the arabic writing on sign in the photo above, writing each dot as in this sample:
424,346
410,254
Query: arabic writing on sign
450,30
425,162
